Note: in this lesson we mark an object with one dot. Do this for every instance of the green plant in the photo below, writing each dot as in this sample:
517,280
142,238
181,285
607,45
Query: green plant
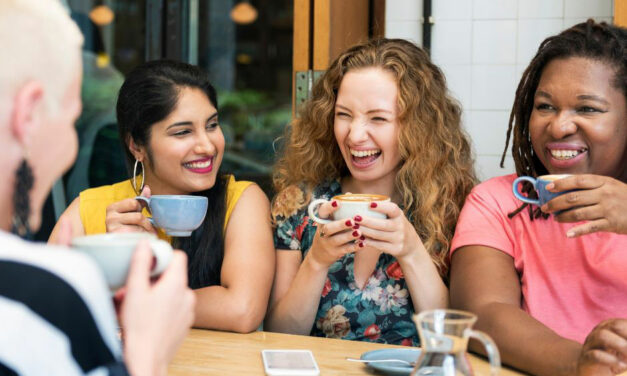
239,108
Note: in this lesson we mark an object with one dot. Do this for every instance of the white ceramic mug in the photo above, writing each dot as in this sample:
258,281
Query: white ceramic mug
113,253
351,204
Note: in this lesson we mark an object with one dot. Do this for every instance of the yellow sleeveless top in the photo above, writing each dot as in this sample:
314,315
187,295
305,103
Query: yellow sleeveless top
94,202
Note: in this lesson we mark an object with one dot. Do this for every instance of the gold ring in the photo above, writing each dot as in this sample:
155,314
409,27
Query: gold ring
321,230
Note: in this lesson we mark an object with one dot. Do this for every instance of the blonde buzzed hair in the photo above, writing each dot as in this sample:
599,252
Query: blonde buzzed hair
38,42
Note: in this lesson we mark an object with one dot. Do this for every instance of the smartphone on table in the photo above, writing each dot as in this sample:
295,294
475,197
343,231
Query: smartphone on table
289,362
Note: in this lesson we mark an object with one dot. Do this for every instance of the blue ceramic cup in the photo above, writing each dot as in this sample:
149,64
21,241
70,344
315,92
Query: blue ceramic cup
177,215
539,184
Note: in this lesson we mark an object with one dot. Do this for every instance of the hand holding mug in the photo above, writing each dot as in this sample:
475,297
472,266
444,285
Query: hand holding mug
333,238
539,185
349,205
156,317
113,254
391,232
599,200
126,216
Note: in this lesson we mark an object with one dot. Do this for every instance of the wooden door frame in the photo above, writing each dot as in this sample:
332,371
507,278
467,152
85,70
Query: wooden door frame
325,28
620,13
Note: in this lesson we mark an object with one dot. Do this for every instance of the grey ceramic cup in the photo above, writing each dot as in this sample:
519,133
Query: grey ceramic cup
177,215
113,252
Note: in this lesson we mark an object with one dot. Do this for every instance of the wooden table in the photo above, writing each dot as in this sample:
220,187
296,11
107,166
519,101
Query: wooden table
207,352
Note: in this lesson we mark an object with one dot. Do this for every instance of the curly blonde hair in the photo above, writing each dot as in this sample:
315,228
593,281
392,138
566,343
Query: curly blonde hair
437,170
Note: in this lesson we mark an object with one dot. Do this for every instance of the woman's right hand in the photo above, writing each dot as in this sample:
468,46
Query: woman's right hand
126,216
604,351
157,316
600,201
333,240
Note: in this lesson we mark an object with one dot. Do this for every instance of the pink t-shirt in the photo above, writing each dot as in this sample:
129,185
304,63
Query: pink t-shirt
570,285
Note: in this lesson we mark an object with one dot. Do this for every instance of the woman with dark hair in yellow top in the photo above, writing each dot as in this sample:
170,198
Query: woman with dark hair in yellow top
168,119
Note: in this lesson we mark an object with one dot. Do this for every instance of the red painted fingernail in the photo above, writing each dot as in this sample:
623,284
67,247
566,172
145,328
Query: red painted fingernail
361,244
355,234
349,223
362,238
356,226
358,218
373,204
334,204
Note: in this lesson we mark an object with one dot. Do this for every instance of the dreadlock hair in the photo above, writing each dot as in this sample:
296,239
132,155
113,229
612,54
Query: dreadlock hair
591,40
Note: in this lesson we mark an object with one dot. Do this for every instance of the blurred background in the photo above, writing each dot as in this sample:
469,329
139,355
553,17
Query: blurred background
263,57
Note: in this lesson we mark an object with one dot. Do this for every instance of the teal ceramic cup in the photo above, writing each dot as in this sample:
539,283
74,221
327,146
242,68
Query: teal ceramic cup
177,215
539,184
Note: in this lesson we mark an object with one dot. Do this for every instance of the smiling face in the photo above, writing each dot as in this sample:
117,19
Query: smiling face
185,148
366,124
579,121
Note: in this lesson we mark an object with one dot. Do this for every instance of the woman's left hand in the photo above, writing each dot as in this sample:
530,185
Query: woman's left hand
395,235
599,200
604,350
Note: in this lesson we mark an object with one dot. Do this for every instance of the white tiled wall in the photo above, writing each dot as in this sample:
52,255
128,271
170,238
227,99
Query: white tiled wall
403,19
483,46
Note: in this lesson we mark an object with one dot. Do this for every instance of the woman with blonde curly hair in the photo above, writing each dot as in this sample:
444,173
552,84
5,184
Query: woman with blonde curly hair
380,121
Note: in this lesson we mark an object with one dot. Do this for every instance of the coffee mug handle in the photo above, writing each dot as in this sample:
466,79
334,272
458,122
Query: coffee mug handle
519,195
311,208
144,201
162,251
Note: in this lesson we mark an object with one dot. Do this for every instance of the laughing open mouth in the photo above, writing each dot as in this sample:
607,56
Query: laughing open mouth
566,154
365,156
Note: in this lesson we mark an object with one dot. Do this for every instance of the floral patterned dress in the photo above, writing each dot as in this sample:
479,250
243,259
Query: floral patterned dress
381,312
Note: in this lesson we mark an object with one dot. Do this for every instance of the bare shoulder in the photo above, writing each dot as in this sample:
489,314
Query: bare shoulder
249,232
74,207
252,212
253,198
72,214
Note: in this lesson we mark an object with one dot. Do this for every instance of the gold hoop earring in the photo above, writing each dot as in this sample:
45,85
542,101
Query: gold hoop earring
138,162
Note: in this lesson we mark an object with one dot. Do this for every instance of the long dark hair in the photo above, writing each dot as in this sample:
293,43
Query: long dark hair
149,94
596,41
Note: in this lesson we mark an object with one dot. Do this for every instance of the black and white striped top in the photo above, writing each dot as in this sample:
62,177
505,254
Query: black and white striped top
56,315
